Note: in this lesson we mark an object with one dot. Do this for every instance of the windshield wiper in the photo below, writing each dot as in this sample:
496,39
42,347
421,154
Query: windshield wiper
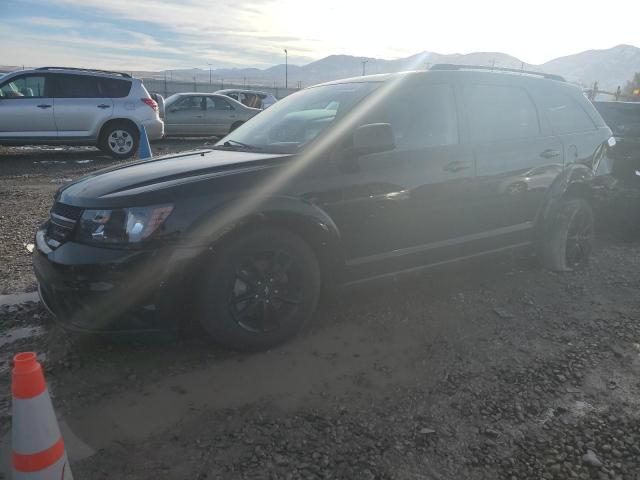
231,143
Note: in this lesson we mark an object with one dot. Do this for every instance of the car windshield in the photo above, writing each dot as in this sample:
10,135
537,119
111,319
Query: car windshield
292,123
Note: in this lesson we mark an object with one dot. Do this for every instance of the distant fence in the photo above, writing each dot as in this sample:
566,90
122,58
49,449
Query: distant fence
169,87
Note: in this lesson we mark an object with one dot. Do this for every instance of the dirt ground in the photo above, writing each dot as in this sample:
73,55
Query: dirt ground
494,369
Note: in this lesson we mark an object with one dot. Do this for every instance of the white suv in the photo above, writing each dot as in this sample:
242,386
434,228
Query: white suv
67,106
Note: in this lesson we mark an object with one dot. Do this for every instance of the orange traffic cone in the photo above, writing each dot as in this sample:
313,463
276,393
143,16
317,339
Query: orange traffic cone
38,449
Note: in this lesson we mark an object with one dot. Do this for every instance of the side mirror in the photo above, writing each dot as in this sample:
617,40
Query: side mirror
373,138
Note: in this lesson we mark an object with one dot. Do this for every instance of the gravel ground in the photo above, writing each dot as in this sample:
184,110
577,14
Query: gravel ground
494,369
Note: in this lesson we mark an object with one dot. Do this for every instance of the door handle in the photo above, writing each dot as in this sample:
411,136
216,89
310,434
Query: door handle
44,105
103,106
550,153
456,166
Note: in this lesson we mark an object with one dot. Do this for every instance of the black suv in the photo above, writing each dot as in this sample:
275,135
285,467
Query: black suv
336,184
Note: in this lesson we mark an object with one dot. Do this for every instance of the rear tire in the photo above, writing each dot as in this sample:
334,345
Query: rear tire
259,289
569,238
120,140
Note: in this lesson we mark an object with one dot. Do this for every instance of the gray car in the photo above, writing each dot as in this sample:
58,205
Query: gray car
70,106
204,114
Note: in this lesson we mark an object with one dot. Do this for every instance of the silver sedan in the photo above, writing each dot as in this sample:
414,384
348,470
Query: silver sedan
204,114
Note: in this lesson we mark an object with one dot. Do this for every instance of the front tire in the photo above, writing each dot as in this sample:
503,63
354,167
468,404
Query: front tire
259,289
569,238
120,140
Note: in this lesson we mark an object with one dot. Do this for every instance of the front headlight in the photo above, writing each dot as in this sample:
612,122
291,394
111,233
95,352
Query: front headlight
123,225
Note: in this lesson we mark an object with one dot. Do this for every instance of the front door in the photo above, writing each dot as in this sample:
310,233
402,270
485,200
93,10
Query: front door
399,208
26,107
81,106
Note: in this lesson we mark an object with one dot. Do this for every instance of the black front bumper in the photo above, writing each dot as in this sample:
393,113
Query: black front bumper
110,290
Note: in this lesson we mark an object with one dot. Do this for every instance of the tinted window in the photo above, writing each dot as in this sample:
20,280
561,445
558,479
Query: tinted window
498,112
565,113
423,116
622,118
76,86
29,86
114,87
214,103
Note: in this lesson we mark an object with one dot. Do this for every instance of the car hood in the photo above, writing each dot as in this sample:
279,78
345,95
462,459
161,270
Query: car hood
144,179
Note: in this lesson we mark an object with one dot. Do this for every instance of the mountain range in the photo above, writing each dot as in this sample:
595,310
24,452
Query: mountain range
609,67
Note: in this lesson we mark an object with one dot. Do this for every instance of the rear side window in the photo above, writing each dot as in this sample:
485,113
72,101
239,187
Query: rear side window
76,86
114,87
565,114
216,103
500,112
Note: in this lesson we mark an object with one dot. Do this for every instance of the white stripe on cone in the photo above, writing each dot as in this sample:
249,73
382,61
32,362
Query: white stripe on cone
39,429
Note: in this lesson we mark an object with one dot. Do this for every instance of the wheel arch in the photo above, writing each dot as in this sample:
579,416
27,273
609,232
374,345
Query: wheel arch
308,221
112,121
575,181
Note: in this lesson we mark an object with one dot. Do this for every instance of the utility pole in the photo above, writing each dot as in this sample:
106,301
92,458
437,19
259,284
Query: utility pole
165,83
209,72
364,63
286,68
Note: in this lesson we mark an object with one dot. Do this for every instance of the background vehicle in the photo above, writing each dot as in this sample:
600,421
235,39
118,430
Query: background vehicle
621,208
336,184
250,98
159,99
67,106
624,120
204,114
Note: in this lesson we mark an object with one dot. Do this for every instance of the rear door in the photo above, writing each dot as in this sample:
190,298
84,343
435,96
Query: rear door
515,156
186,116
220,115
572,124
80,108
26,107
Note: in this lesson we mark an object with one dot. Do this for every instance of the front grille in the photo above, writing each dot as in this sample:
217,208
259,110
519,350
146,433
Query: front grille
62,222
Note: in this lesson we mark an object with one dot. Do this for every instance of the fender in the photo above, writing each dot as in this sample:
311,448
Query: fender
575,179
304,218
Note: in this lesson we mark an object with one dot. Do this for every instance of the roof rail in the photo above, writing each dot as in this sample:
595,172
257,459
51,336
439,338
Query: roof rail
451,66
125,75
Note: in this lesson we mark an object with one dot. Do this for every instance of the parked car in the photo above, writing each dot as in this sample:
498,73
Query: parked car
159,99
68,106
204,114
250,98
621,208
402,172
624,120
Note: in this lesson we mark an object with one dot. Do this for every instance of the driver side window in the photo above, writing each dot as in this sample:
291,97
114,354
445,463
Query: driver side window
28,86
421,116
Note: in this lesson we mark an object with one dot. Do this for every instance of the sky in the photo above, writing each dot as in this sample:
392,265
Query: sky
163,34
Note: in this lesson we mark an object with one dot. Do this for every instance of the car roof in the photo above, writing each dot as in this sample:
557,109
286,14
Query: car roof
240,90
463,71
74,71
